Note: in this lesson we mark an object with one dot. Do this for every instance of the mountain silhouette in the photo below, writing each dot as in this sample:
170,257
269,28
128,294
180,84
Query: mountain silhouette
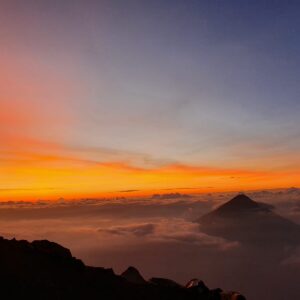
133,275
240,203
46,270
245,220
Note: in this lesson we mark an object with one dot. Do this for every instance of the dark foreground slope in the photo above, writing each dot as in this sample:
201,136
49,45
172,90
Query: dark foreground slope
46,270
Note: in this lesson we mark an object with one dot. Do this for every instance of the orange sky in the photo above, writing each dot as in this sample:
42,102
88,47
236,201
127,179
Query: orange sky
79,119
29,176
33,168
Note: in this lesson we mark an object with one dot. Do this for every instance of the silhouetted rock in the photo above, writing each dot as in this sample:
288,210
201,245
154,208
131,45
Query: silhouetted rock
52,249
46,270
197,283
232,296
165,282
200,289
133,275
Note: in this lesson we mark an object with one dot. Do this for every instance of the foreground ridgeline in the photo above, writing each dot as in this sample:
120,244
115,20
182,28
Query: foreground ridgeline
46,270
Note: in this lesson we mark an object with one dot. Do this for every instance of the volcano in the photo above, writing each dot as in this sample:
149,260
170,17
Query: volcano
245,220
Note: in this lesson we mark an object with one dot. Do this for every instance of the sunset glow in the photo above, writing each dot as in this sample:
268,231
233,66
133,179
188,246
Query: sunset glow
149,149
76,121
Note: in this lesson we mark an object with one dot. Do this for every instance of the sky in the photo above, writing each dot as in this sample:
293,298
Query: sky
117,98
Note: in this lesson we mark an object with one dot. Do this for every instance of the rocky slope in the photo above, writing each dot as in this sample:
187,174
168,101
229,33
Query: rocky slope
46,270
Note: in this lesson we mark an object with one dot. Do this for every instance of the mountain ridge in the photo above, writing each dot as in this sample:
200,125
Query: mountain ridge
47,270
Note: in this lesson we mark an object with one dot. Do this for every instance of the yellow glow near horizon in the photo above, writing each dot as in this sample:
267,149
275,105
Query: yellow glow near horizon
32,169
54,177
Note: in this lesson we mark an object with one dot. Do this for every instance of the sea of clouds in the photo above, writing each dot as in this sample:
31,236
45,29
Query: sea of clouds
160,237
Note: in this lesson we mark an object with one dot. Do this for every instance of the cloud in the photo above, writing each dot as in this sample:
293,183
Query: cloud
171,230
170,196
156,235
293,260
121,208
138,230
201,239
128,191
297,208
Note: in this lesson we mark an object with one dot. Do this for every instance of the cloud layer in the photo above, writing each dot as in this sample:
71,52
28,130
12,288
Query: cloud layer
158,235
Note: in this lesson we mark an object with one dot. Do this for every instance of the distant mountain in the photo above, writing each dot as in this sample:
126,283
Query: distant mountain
46,270
242,219
243,204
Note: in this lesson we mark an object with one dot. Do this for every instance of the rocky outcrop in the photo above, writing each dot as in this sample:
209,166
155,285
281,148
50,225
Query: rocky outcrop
46,270
164,282
133,275
232,296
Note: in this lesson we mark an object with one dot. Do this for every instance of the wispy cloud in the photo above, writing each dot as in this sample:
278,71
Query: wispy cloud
135,229
128,191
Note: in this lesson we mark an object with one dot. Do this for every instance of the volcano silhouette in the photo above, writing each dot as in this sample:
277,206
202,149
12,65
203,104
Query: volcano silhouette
245,220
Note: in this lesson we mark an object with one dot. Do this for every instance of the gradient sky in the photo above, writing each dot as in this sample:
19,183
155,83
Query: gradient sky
106,97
